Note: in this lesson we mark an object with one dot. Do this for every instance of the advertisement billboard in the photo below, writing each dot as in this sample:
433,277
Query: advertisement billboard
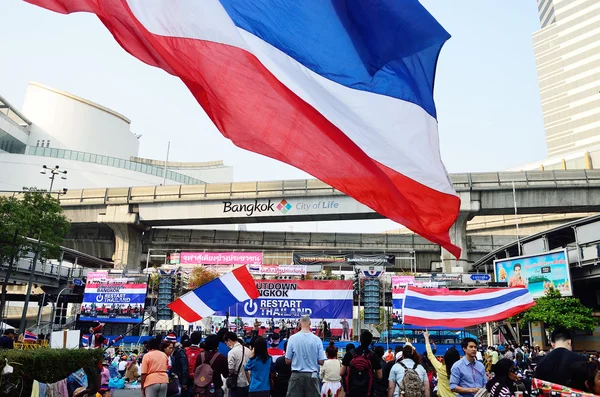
221,258
536,272
110,299
343,259
290,299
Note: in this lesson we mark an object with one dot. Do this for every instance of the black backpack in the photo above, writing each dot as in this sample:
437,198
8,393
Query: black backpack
359,381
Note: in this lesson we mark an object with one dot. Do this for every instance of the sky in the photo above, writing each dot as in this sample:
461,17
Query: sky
486,91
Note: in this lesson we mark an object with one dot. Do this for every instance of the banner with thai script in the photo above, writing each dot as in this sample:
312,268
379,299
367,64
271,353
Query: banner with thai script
221,258
343,259
114,299
278,270
290,299
538,273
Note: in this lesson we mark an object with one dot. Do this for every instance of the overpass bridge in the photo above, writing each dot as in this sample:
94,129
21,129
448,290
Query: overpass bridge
130,211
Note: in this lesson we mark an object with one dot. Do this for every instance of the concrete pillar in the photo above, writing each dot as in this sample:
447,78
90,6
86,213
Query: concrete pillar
128,235
458,235
128,246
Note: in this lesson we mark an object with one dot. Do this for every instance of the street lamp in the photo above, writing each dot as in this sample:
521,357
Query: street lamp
53,173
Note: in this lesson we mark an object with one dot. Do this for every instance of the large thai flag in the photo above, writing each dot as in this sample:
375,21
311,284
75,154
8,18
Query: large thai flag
218,294
340,89
454,309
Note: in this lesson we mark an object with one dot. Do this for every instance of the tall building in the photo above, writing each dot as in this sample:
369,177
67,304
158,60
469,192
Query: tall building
567,54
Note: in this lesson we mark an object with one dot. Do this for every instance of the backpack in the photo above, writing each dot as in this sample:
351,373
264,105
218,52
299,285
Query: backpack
359,381
411,385
203,377
191,353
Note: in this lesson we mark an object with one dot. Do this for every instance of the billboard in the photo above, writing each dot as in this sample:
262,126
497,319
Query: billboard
536,272
290,299
220,258
111,299
344,259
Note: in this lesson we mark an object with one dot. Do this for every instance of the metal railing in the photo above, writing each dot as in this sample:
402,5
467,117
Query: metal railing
50,269
111,162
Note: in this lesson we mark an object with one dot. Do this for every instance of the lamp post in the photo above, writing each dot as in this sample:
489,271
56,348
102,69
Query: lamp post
53,173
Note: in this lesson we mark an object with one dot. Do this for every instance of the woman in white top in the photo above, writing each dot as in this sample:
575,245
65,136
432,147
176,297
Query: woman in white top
330,373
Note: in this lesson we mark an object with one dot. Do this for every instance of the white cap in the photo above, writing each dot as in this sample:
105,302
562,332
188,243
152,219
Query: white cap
398,356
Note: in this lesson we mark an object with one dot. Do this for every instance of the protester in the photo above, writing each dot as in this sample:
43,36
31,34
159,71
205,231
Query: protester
361,366
237,358
442,369
554,367
179,367
7,340
390,364
122,366
585,377
381,385
214,359
131,369
330,372
345,329
389,356
258,369
105,373
283,372
192,352
305,354
503,382
468,375
408,377
154,371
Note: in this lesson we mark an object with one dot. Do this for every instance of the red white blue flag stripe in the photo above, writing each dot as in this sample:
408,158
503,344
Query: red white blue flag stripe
449,308
340,89
218,294
29,336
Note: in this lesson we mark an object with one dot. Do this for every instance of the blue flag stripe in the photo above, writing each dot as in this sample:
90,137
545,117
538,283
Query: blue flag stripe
439,304
388,47
215,295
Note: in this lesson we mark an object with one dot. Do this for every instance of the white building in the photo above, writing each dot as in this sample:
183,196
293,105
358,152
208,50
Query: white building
93,143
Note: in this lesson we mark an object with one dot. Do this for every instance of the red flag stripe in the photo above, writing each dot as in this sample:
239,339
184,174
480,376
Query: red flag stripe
184,311
245,279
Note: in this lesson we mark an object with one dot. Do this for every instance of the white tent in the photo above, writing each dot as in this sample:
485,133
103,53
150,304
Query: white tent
4,326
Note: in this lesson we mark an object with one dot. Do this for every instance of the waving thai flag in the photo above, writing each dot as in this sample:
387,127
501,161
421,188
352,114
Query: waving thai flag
29,336
449,308
218,294
340,89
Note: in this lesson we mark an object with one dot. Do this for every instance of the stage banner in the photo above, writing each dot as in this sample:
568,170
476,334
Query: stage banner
111,299
290,299
221,258
398,284
278,270
343,259
536,272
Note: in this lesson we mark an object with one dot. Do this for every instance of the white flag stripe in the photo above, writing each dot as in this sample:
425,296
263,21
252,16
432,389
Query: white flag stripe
235,288
315,294
458,298
433,315
198,306
120,291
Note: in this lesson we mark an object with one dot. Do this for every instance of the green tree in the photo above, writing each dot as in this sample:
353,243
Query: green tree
36,215
555,310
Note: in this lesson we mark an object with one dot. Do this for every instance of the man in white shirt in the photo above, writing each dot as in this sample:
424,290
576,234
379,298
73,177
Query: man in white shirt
236,359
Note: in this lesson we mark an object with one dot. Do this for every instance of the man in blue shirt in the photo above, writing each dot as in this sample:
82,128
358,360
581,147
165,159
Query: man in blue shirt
468,375
305,354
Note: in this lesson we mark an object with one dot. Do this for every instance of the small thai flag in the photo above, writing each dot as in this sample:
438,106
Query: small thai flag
85,340
218,294
29,337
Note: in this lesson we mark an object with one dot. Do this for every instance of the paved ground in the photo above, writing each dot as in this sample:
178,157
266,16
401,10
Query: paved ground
127,393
